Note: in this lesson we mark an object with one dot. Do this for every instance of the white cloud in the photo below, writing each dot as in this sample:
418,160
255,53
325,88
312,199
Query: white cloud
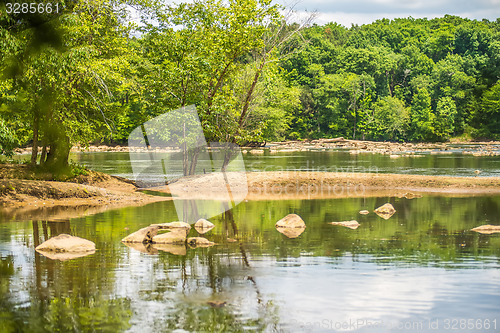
347,12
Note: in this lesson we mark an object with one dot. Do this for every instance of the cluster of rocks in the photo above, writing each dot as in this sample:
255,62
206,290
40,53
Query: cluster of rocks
385,211
147,240
293,225
393,149
172,237
175,237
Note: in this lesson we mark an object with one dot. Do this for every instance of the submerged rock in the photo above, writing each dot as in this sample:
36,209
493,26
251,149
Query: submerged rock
144,235
217,304
487,229
291,221
66,243
199,242
385,211
410,195
203,226
349,224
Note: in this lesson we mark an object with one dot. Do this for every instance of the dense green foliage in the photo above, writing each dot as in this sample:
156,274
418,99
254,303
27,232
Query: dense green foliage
403,79
90,74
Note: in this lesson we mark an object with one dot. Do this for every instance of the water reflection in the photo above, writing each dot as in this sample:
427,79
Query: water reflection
421,264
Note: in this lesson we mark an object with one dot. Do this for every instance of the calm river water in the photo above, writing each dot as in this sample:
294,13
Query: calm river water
118,163
422,270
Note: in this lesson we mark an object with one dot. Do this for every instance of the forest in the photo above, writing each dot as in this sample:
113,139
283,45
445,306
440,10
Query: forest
91,74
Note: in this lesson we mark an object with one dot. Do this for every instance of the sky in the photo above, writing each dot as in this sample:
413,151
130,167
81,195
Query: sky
348,12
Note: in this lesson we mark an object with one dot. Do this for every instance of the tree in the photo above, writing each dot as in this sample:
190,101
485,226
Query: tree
67,84
215,55
445,118
487,114
391,119
7,140
421,116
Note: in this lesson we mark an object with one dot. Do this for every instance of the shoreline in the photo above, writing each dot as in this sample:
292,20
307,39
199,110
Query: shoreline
22,193
301,185
23,190
479,148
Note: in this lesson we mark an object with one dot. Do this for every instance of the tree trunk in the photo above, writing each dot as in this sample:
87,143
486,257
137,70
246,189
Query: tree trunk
36,127
228,156
194,161
58,155
248,98
43,156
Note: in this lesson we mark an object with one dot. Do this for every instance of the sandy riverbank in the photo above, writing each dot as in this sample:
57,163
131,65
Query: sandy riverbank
96,189
310,185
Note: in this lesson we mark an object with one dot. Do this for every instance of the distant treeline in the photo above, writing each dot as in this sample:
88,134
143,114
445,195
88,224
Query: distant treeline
402,79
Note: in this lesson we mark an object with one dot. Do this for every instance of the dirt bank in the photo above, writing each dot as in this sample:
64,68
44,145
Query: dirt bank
22,186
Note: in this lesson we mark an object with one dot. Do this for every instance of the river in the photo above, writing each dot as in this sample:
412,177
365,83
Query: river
422,270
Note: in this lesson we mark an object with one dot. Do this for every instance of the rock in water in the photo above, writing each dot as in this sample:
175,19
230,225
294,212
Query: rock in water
487,229
203,226
65,243
364,212
385,211
171,237
172,225
216,304
291,221
199,242
144,235
409,195
349,224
